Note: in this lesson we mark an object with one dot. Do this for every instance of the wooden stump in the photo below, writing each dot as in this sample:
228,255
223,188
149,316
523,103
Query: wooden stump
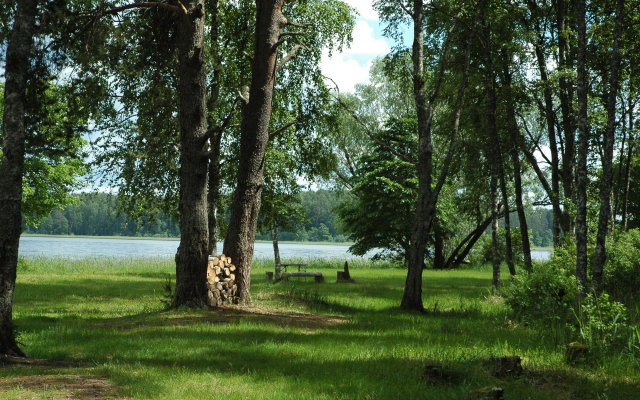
507,366
488,393
269,275
576,353
344,276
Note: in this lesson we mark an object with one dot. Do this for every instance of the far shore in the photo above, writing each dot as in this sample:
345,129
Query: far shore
174,239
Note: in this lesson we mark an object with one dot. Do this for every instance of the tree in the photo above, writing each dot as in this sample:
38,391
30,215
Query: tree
384,187
12,167
256,132
424,103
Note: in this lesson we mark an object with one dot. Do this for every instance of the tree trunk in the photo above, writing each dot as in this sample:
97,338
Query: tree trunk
427,197
554,193
12,166
627,169
566,105
607,159
412,296
515,160
256,116
495,140
583,148
438,259
495,238
214,133
458,254
191,258
274,240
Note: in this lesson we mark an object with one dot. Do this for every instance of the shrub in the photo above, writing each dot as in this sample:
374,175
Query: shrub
622,270
602,324
546,294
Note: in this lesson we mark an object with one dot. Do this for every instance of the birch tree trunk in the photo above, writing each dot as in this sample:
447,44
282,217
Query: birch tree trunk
583,148
12,166
607,159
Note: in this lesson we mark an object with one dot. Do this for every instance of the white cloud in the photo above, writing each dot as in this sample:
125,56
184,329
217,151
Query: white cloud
345,72
352,65
365,41
364,8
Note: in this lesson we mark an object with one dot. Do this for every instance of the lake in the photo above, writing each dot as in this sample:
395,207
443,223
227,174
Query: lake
70,247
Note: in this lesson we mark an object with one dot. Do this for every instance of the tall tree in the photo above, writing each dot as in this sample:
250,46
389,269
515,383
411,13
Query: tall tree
12,167
607,152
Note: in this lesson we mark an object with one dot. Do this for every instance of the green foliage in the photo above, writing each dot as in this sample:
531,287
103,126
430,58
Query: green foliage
622,269
547,294
384,193
603,325
54,147
483,249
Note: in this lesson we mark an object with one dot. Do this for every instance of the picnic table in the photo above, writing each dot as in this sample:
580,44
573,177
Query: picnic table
302,268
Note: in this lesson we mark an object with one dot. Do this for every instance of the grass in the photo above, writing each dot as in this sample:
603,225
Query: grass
104,320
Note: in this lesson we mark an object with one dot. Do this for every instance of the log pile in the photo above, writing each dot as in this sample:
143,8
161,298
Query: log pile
221,281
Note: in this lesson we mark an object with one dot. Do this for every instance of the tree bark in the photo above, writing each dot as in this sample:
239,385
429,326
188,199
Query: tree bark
566,105
496,146
256,117
627,169
412,296
214,133
554,193
607,159
427,196
458,254
515,160
274,240
583,148
495,238
438,258
12,166
191,258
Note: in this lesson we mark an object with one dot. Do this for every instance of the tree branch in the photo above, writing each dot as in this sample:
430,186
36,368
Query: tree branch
283,128
145,4
290,55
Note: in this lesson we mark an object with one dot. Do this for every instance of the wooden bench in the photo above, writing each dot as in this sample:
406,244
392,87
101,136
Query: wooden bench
284,276
317,276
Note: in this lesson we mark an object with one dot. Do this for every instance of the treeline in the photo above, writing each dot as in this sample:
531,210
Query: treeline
96,214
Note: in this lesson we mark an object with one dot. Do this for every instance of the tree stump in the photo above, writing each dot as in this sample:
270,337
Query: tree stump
576,353
507,366
344,276
488,393
269,276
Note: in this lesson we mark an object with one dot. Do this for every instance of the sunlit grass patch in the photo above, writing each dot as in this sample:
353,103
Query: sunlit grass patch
300,340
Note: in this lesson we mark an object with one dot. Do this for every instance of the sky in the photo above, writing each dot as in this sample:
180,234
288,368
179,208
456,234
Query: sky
351,66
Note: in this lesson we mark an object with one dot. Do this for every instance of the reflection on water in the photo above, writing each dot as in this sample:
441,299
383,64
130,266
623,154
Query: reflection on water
67,247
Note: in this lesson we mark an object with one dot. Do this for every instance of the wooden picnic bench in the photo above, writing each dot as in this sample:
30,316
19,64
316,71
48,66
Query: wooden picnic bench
302,272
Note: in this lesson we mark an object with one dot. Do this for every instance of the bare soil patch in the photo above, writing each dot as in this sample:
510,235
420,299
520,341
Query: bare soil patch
62,387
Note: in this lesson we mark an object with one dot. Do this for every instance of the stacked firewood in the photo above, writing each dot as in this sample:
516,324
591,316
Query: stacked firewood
221,281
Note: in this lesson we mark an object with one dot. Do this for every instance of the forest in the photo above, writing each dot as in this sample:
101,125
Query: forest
488,127
96,214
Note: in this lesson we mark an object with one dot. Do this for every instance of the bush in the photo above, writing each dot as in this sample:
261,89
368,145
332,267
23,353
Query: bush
546,294
602,324
622,270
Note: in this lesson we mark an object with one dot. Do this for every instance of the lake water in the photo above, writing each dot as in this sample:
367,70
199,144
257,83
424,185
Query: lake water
69,247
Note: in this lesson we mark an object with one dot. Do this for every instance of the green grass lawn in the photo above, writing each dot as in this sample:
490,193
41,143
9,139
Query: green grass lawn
301,340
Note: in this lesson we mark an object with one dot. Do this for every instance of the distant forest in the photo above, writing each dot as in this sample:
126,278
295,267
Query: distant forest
96,214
